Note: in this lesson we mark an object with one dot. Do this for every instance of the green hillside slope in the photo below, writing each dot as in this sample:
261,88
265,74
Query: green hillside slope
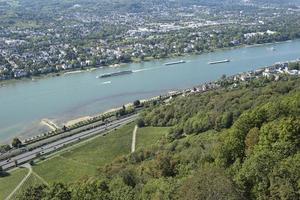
240,143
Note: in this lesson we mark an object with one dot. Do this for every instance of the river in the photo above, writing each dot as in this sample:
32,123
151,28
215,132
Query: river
25,103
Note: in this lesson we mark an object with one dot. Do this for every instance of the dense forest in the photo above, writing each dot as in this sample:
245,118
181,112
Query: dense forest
240,143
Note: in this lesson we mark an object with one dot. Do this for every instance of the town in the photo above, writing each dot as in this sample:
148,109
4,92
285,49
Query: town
73,39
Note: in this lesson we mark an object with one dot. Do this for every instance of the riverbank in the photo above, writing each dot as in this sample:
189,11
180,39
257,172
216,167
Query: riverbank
273,72
3,83
71,97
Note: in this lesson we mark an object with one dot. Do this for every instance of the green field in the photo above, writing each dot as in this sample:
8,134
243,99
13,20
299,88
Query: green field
8,183
149,135
84,159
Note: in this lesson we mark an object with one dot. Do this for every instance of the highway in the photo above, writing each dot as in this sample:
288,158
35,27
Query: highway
54,146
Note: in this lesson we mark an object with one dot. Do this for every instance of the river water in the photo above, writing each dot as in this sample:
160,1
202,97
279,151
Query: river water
24,104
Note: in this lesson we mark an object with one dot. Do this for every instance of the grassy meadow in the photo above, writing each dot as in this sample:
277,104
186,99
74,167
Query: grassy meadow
83,159
9,182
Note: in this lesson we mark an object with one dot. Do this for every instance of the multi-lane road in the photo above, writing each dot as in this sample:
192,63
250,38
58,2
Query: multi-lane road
55,145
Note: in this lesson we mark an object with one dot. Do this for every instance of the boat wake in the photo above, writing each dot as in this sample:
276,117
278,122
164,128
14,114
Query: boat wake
141,70
106,82
166,65
73,72
271,49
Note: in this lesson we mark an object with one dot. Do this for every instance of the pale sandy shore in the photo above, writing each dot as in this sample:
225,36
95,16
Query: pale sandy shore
75,121
84,118
50,124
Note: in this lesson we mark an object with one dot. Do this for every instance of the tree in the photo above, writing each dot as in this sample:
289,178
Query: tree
284,180
140,123
129,177
120,191
90,190
294,65
64,128
59,191
251,140
137,103
227,120
121,112
253,177
34,193
223,77
4,148
160,189
31,162
16,143
164,165
208,183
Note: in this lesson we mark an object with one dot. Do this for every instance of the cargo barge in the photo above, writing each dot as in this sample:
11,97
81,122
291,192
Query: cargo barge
119,73
219,62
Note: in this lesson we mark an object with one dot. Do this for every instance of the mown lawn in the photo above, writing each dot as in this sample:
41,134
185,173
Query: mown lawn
84,160
149,135
8,183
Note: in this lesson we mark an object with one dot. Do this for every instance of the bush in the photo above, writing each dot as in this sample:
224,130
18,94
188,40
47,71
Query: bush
140,123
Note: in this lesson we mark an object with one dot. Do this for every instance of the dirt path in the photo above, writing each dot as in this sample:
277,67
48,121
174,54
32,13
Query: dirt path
133,139
41,179
28,166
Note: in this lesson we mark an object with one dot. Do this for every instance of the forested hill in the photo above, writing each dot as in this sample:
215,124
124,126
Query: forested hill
240,143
